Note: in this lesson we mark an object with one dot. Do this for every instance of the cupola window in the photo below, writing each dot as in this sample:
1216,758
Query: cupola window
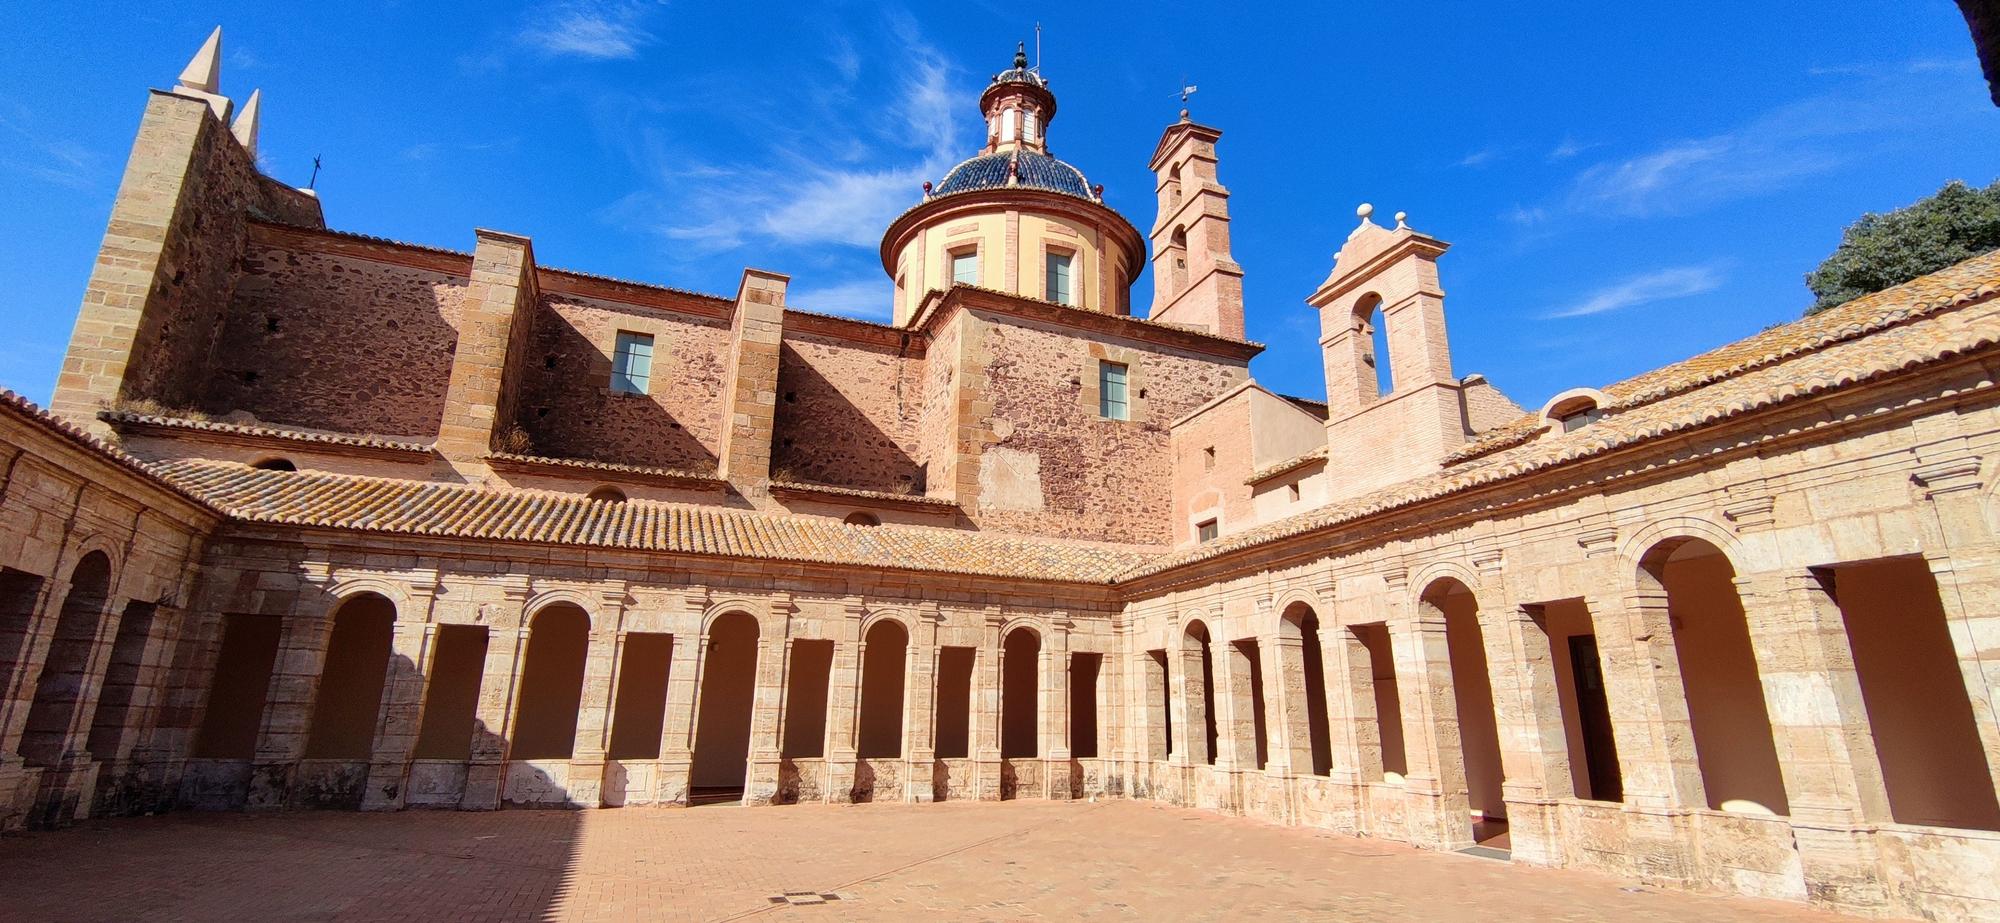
965,266
1007,125
1058,282
1028,127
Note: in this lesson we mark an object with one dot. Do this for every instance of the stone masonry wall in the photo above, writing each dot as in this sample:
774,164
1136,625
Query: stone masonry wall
337,341
1107,480
847,415
937,424
567,406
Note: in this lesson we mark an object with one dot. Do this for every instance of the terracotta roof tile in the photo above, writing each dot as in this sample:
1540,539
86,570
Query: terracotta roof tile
1824,355
317,499
1973,279
125,419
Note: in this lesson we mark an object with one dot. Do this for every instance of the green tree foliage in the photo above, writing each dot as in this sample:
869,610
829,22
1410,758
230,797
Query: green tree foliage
1878,251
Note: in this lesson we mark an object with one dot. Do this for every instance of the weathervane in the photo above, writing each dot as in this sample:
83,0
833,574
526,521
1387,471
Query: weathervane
1187,90
315,176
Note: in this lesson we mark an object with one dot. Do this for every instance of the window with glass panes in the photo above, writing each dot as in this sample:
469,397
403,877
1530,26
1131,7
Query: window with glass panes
1058,283
1111,399
632,363
965,266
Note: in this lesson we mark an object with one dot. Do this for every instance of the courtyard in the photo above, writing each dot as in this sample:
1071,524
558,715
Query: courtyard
960,861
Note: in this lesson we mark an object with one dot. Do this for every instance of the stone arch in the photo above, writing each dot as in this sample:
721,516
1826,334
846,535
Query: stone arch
1020,689
1446,596
733,635
556,596
61,690
349,699
1648,538
551,682
1195,649
98,543
899,616
1588,401
1685,594
342,589
757,609
1284,602
1307,731
1424,578
883,705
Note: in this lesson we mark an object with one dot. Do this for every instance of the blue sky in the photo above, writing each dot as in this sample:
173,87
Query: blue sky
1624,186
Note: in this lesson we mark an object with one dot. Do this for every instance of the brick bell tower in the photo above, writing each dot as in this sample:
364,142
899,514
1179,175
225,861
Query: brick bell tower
1195,281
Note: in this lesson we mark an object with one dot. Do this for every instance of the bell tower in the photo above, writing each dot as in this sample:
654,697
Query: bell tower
1196,282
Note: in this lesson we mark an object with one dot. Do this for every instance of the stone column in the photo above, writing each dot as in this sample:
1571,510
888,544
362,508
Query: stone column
411,649
288,705
677,733
67,785
593,718
1288,719
1235,723
844,709
1534,751
1820,726
1651,727
986,680
1440,817
920,708
1353,728
1055,717
17,697
499,683
120,783
760,781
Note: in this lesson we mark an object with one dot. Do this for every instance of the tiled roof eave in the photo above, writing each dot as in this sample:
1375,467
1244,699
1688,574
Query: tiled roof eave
854,493
154,424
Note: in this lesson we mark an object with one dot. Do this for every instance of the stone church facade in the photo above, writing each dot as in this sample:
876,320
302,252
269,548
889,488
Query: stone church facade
321,519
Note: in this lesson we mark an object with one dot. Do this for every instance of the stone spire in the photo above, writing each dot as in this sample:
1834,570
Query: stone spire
204,72
245,128
202,78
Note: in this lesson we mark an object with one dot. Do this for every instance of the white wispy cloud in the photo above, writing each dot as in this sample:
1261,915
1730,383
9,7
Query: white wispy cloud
588,29
799,192
1568,147
865,298
1479,158
1646,288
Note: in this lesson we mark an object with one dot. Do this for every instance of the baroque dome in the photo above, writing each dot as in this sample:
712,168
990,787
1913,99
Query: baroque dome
1022,169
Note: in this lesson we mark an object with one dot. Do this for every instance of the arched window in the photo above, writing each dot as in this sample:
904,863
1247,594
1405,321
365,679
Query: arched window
1574,409
607,494
1373,329
275,463
862,519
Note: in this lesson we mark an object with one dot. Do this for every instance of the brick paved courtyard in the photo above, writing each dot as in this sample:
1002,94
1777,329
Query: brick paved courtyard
948,861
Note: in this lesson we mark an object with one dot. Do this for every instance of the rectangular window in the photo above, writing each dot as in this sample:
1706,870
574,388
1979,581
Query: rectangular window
1111,402
965,266
1207,531
1058,289
1028,126
632,363
1007,125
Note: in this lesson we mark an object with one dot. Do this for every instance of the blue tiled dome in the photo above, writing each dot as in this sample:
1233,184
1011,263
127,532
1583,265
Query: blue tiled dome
1037,171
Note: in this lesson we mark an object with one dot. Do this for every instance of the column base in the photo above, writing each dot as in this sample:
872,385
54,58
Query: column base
1843,869
64,792
484,781
1057,776
760,786
919,780
270,785
17,792
586,781
841,772
670,782
384,790
987,777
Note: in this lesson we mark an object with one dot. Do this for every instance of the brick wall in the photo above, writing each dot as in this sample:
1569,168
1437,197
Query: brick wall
337,341
566,402
848,415
1099,479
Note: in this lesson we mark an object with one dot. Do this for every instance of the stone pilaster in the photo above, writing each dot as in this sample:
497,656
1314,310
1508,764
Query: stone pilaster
1055,717
499,683
750,380
498,324
920,709
1820,726
1534,751
986,679
760,781
1652,729
683,678
288,705
411,649
1439,816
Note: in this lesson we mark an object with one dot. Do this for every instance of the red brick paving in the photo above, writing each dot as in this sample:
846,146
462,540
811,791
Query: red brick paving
1112,860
